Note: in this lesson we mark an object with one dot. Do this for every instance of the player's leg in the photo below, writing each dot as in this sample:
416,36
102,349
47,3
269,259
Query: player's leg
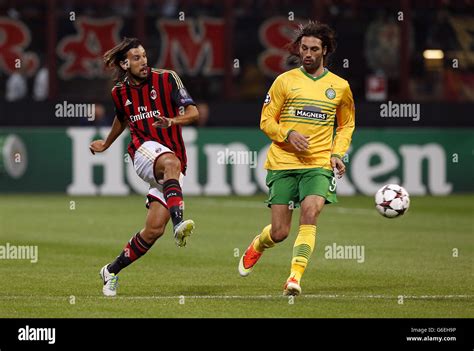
156,220
304,243
136,247
283,189
168,166
315,189
270,235
139,244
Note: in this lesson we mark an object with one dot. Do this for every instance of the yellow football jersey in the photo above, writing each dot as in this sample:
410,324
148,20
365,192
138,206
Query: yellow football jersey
297,101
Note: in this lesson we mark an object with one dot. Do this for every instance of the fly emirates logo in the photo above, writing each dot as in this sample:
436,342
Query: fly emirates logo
143,113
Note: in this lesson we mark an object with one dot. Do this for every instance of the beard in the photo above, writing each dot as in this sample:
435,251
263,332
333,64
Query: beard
140,76
313,66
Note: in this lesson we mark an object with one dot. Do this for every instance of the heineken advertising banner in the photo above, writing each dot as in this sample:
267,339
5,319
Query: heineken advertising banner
225,161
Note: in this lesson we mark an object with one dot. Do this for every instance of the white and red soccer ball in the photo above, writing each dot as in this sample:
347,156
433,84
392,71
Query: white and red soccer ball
392,200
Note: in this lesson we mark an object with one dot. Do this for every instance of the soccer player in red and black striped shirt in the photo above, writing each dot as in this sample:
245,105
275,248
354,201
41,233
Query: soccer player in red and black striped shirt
154,104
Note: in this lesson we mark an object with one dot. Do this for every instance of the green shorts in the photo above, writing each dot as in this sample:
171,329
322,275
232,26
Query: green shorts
290,187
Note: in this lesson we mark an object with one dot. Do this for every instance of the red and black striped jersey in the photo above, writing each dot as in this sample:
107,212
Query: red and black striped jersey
162,94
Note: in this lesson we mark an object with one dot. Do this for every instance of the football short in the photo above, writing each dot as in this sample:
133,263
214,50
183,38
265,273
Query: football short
290,187
144,164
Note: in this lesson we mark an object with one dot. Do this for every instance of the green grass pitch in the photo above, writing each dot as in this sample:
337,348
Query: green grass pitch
413,256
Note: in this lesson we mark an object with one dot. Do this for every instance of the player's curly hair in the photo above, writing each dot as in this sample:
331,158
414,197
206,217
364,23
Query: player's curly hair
118,53
312,29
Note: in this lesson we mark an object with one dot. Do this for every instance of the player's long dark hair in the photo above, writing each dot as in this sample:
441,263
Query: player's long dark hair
118,53
312,29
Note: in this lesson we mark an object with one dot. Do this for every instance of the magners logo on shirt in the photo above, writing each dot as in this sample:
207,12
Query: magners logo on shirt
311,112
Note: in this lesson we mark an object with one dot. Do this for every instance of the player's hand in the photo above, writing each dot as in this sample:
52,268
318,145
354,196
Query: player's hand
97,146
162,122
299,141
339,166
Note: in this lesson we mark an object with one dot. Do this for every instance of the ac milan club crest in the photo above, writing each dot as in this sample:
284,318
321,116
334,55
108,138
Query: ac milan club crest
153,94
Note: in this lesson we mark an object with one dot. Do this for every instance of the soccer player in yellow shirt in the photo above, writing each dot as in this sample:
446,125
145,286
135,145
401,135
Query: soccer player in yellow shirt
298,115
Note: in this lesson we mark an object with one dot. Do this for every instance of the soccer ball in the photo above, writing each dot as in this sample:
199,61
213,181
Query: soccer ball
392,200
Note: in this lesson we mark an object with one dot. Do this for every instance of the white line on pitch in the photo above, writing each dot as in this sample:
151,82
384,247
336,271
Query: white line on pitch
237,297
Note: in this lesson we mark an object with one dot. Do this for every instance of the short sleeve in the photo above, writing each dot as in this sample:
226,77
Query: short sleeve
179,94
119,112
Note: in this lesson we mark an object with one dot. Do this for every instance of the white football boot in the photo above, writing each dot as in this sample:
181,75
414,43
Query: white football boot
110,282
182,231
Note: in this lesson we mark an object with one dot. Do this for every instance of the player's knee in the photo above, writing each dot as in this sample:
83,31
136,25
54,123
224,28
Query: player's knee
279,233
151,233
172,165
310,215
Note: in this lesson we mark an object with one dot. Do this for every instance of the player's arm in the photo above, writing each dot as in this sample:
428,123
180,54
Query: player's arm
345,115
180,98
189,116
118,127
270,119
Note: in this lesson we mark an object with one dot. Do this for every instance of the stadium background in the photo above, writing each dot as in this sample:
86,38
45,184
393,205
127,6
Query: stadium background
227,54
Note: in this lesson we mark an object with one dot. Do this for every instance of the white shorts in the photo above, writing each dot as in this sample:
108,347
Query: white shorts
144,164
